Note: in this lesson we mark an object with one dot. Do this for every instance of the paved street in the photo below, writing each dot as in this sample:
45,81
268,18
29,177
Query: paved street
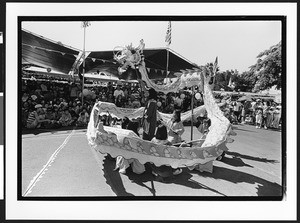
61,163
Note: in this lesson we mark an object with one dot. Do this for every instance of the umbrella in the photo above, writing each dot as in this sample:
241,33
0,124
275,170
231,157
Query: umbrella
245,98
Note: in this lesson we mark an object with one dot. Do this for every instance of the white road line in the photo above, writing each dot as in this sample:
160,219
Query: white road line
46,166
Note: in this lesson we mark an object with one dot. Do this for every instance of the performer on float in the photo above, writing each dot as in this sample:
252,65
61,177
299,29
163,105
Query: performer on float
150,116
164,171
127,144
175,127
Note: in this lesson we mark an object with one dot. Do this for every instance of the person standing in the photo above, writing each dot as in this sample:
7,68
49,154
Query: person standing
277,116
259,116
150,116
118,92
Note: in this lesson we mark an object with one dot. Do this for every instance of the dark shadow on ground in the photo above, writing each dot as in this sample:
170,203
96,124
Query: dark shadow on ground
183,179
275,130
265,188
258,159
52,131
113,178
244,130
235,161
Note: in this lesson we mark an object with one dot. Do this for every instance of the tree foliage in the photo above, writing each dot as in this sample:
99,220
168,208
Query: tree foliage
268,69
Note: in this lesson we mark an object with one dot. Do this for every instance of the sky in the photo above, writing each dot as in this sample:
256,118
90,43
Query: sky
235,43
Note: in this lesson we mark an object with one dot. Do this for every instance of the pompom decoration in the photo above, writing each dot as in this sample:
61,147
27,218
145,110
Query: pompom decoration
198,96
85,92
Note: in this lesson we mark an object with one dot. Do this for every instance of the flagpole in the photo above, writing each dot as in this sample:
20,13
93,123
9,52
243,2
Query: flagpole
168,40
192,105
167,68
83,70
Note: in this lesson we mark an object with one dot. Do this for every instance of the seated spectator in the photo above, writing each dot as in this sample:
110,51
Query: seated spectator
82,120
136,103
119,102
51,116
36,118
110,98
25,113
25,97
66,118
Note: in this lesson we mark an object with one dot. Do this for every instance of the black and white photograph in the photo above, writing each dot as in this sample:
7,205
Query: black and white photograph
121,109
143,115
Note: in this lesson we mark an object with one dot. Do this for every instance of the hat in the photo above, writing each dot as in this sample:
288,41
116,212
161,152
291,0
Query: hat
38,106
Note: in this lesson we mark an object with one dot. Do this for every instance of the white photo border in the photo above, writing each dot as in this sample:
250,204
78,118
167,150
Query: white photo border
148,210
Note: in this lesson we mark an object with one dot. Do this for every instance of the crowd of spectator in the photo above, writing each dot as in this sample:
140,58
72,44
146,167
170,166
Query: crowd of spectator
54,104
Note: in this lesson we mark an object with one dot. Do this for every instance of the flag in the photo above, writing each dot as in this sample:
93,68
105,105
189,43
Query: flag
230,83
85,24
215,66
168,34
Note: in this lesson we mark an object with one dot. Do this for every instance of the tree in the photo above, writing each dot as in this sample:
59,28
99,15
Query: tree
222,80
268,69
244,82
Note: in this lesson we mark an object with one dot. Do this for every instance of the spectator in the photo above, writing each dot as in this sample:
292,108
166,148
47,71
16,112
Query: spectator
36,118
82,120
118,92
66,118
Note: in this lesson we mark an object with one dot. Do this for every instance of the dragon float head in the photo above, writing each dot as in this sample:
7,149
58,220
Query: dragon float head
129,56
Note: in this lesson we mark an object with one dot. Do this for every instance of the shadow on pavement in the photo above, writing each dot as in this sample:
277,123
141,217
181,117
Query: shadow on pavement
235,161
244,130
265,188
114,180
238,155
52,131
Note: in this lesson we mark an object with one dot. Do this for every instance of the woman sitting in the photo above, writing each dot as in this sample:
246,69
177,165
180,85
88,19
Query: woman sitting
121,163
163,171
175,127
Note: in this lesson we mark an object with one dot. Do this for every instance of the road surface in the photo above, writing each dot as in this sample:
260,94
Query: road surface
61,163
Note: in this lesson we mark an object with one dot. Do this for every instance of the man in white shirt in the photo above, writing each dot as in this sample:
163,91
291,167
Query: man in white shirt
118,92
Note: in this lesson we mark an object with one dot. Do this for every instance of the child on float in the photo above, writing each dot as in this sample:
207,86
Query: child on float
175,127
164,171
121,163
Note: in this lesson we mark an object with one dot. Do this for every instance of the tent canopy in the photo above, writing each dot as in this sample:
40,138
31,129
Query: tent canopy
155,59
42,52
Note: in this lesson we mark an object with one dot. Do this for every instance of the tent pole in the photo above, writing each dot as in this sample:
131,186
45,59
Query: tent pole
167,68
83,70
192,119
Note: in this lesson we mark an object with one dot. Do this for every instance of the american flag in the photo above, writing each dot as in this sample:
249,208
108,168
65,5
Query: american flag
215,66
85,24
168,34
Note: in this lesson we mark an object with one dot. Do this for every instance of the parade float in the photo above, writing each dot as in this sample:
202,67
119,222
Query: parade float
199,153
